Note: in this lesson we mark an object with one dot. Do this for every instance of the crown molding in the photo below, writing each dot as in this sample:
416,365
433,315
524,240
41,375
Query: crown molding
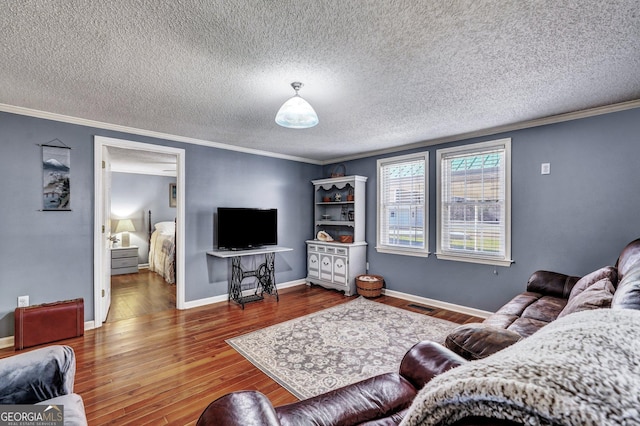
142,132
552,119
576,115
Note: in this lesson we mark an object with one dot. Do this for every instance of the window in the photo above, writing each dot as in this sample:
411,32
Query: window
474,203
402,205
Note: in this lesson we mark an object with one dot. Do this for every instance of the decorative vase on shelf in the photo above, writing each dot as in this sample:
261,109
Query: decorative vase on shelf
337,197
350,196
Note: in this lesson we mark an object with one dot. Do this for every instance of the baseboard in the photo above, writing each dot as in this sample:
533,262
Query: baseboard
9,341
225,297
207,301
438,304
6,342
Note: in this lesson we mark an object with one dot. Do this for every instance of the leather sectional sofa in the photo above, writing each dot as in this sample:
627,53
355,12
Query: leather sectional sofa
478,395
549,296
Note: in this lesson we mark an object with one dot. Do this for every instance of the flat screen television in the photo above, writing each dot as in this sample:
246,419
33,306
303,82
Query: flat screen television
245,228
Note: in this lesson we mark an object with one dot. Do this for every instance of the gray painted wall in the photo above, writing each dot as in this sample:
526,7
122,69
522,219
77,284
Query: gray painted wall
132,196
574,220
49,255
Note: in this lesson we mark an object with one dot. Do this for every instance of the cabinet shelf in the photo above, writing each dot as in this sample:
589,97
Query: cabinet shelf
334,203
335,223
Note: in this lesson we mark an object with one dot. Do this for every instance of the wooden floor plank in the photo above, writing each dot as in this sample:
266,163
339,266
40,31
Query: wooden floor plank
165,367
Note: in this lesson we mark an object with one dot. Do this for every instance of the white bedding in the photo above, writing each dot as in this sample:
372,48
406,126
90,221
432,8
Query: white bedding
162,252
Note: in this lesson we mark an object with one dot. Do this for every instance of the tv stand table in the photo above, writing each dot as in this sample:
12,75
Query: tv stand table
264,274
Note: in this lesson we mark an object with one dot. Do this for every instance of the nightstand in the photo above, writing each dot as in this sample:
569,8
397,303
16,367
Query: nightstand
124,260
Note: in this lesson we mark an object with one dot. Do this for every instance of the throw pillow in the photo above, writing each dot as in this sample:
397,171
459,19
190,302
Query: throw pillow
596,296
166,227
589,279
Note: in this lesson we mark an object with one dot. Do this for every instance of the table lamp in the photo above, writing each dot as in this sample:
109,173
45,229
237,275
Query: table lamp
125,226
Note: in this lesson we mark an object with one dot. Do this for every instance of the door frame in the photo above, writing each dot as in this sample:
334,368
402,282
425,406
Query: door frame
99,252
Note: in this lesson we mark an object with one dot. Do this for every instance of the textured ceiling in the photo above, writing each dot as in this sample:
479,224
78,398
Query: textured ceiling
380,74
126,160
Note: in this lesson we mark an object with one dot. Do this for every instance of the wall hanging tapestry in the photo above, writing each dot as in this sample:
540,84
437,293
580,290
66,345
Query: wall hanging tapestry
56,163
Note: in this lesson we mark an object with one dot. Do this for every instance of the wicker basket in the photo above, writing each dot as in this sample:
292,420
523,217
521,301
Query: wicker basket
369,285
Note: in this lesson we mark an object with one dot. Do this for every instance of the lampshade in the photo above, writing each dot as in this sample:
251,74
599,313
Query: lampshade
296,113
125,226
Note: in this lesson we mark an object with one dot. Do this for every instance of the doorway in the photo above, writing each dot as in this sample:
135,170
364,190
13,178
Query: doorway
102,251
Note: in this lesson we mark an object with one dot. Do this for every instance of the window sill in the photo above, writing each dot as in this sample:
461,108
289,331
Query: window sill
475,259
415,253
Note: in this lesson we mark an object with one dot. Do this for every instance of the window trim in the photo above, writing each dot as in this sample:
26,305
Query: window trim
471,257
405,251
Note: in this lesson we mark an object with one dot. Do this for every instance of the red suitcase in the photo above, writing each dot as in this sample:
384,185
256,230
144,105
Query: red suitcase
48,322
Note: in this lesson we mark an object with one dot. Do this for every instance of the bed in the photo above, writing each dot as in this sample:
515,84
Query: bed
162,249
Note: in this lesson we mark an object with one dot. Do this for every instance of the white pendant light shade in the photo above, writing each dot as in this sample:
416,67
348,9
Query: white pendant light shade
296,113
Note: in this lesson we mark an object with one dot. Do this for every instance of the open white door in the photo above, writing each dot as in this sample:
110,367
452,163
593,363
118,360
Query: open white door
106,236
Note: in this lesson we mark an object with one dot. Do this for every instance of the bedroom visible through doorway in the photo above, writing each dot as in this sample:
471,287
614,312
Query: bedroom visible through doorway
137,189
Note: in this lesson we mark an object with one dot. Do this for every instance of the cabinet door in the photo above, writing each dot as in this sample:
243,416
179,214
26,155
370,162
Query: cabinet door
313,265
340,270
326,267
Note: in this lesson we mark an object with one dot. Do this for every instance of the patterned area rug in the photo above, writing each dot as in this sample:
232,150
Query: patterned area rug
338,346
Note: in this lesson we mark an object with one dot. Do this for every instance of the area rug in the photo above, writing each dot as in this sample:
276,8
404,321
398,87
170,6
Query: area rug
338,346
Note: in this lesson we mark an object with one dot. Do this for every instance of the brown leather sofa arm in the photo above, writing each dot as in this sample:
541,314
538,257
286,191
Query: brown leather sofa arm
478,340
244,408
551,283
425,360
371,399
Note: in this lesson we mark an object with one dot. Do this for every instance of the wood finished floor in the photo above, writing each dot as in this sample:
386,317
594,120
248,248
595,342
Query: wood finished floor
134,295
166,367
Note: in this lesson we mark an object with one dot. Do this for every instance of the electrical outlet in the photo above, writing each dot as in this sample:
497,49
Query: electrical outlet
23,301
545,168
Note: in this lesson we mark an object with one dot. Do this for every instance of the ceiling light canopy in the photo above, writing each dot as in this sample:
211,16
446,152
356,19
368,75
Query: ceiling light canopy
296,113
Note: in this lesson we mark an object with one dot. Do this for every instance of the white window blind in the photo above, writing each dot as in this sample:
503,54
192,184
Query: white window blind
402,205
474,203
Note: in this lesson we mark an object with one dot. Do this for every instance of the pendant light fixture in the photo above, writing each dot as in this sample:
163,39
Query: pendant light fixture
296,113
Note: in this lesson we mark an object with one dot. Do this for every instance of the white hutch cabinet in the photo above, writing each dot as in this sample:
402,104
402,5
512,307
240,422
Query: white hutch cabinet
340,212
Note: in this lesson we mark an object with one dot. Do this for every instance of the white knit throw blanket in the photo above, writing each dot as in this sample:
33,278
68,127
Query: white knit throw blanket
582,369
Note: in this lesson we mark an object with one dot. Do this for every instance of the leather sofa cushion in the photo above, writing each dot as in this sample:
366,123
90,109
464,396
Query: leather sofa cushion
500,320
525,327
374,398
545,309
583,283
479,340
517,305
596,296
529,306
